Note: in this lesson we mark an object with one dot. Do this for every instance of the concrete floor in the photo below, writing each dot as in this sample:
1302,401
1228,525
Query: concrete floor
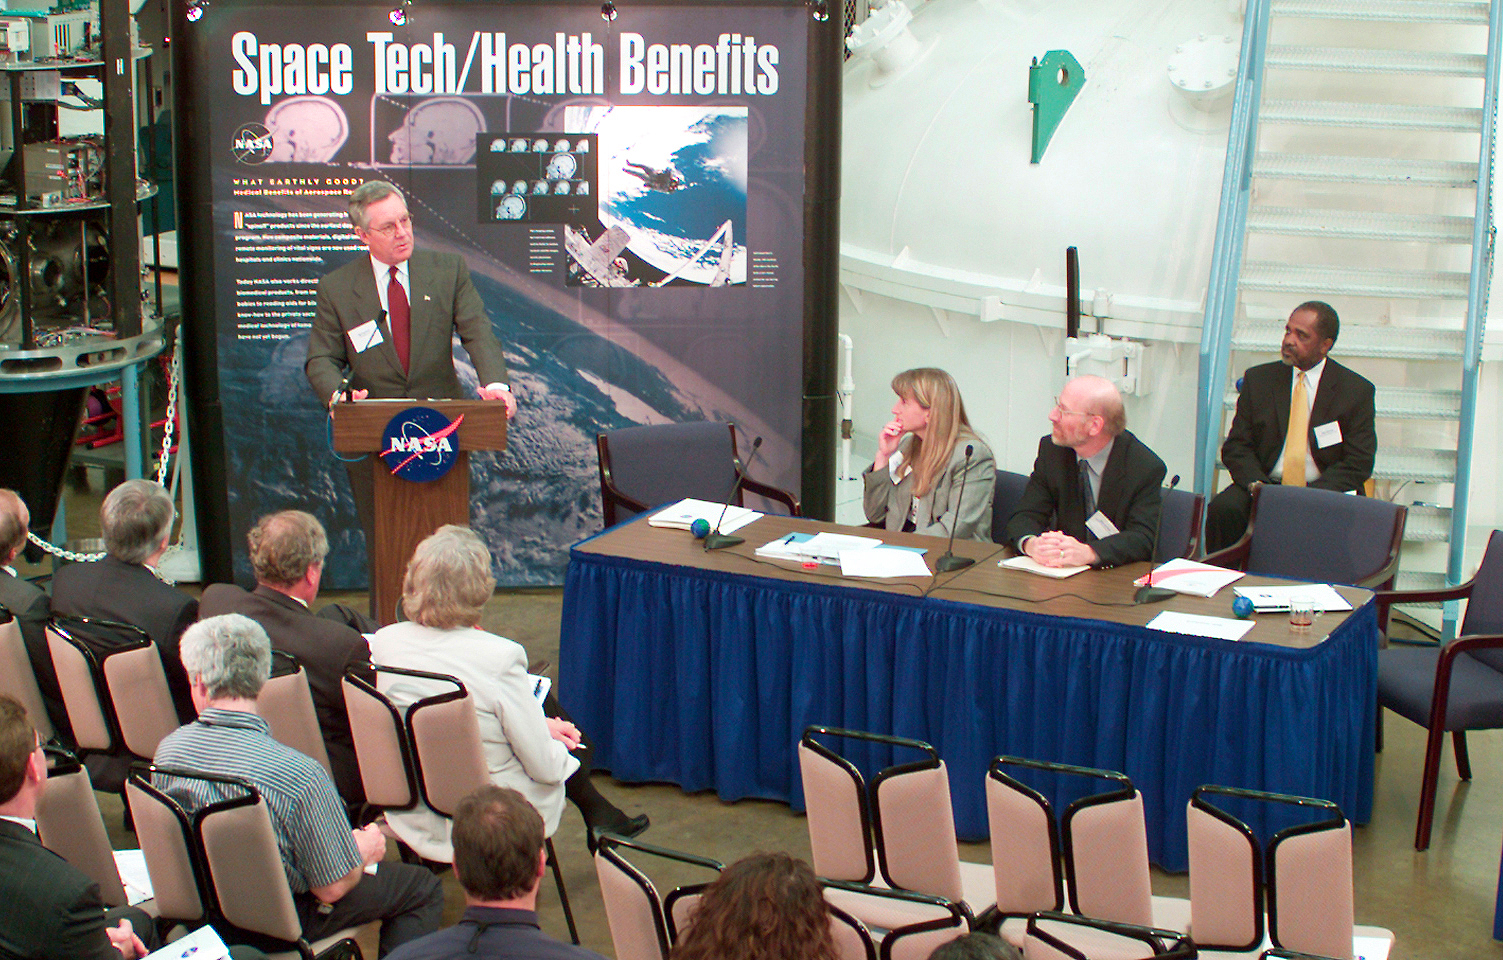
1438,903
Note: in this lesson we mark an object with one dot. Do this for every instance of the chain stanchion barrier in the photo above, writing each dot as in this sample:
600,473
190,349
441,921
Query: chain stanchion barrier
174,376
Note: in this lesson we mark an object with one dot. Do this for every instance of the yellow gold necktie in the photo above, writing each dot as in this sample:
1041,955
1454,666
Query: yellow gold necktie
1297,443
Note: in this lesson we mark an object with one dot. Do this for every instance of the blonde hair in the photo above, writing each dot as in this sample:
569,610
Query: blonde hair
448,580
935,391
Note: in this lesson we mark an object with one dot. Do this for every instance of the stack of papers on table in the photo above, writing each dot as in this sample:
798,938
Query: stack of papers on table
1023,562
1272,599
1195,625
857,556
681,515
1195,579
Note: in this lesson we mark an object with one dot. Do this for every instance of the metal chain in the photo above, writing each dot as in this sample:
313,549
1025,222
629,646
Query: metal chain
174,376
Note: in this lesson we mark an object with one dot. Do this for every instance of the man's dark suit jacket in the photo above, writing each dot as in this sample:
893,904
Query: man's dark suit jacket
325,648
1130,498
1261,423
48,909
109,589
28,603
443,302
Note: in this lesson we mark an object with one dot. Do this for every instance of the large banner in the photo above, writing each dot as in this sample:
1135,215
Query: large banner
628,193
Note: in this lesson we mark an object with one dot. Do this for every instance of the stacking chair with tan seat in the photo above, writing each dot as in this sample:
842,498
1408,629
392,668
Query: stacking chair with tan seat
1093,856
113,686
902,826
932,921
1059,936
17,678
222,865
644,925
429,752
1303,877
70,825
286,704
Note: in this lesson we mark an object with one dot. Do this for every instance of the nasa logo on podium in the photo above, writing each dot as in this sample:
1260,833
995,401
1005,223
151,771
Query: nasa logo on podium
419,445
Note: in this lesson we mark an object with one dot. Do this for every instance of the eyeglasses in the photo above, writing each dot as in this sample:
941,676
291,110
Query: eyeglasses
390,229
1059,405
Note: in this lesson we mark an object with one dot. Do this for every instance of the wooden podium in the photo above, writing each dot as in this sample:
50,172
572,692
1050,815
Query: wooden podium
406,512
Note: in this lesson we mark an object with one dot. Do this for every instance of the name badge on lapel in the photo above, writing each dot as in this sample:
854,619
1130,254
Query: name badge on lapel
1327,434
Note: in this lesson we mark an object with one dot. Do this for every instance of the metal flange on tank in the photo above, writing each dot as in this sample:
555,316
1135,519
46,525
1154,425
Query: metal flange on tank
43,387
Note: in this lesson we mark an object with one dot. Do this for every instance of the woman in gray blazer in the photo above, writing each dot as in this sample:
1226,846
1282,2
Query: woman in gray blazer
915,481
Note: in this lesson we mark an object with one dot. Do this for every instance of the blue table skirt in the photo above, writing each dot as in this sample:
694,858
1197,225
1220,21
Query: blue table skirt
707,680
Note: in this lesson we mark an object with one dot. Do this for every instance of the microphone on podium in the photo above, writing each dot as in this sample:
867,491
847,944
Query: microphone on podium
949,561
715,540
1148,593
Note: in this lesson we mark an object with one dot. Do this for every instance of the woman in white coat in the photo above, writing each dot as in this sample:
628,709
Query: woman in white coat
447,584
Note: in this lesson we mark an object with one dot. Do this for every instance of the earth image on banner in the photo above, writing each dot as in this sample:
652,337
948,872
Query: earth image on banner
673,182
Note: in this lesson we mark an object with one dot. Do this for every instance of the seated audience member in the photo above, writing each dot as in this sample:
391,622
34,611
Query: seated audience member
48,909
540,755
976,946
767,906
228,659
1333,443
28,603
136,522
914,483
287,552
1094,496
500,860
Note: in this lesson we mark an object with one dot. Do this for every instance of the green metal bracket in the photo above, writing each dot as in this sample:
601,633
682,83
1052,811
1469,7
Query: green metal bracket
1053,83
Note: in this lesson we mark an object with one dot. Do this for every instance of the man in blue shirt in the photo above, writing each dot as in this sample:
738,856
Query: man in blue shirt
499,860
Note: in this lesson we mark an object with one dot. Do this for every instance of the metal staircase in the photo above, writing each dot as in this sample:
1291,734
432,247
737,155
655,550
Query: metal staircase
1352,176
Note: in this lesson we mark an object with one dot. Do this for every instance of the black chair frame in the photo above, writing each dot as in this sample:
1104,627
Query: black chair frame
607,846
1235,556
192,828
1163,943
959,914
1264,875
412,763
871,817
138,638
612,497
1060,840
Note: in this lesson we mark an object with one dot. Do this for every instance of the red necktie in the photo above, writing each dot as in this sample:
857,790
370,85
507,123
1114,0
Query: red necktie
400,315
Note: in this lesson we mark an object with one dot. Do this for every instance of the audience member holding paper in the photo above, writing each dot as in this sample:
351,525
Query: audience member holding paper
914,484
1093,498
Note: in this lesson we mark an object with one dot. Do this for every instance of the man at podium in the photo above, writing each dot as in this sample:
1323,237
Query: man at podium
385,323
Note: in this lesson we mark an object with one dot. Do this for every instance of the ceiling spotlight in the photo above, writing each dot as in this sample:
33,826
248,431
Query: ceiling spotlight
819,11
195,12
398,17
608,11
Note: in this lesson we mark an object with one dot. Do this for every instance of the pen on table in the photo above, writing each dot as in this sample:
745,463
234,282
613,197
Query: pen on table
788,539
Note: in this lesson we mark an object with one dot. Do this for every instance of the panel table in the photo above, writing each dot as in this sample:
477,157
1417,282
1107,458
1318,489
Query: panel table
703,669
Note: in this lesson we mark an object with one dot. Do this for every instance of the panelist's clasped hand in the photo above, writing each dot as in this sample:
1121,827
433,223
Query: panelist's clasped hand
500,391
1056,549
564,732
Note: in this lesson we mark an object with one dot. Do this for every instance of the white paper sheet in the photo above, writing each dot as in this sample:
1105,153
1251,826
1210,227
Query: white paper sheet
1022,562
1270,599
201,944
133,873
1192,577
681,515
883,562
1196,625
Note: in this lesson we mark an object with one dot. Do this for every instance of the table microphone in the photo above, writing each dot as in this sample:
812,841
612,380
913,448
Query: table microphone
949,561
1148,593
715,540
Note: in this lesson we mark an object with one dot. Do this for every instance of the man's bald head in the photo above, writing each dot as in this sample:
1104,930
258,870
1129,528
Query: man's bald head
1101,397
14,521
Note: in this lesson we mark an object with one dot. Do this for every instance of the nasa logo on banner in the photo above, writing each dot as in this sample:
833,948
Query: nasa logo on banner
419,445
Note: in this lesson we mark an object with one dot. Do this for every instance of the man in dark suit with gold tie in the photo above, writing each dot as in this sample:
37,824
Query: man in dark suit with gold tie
1302,420
389,320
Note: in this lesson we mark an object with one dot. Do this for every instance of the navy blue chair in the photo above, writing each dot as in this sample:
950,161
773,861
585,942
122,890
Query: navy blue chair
646,467
1319,536
1457,687
1005,497
1179,535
